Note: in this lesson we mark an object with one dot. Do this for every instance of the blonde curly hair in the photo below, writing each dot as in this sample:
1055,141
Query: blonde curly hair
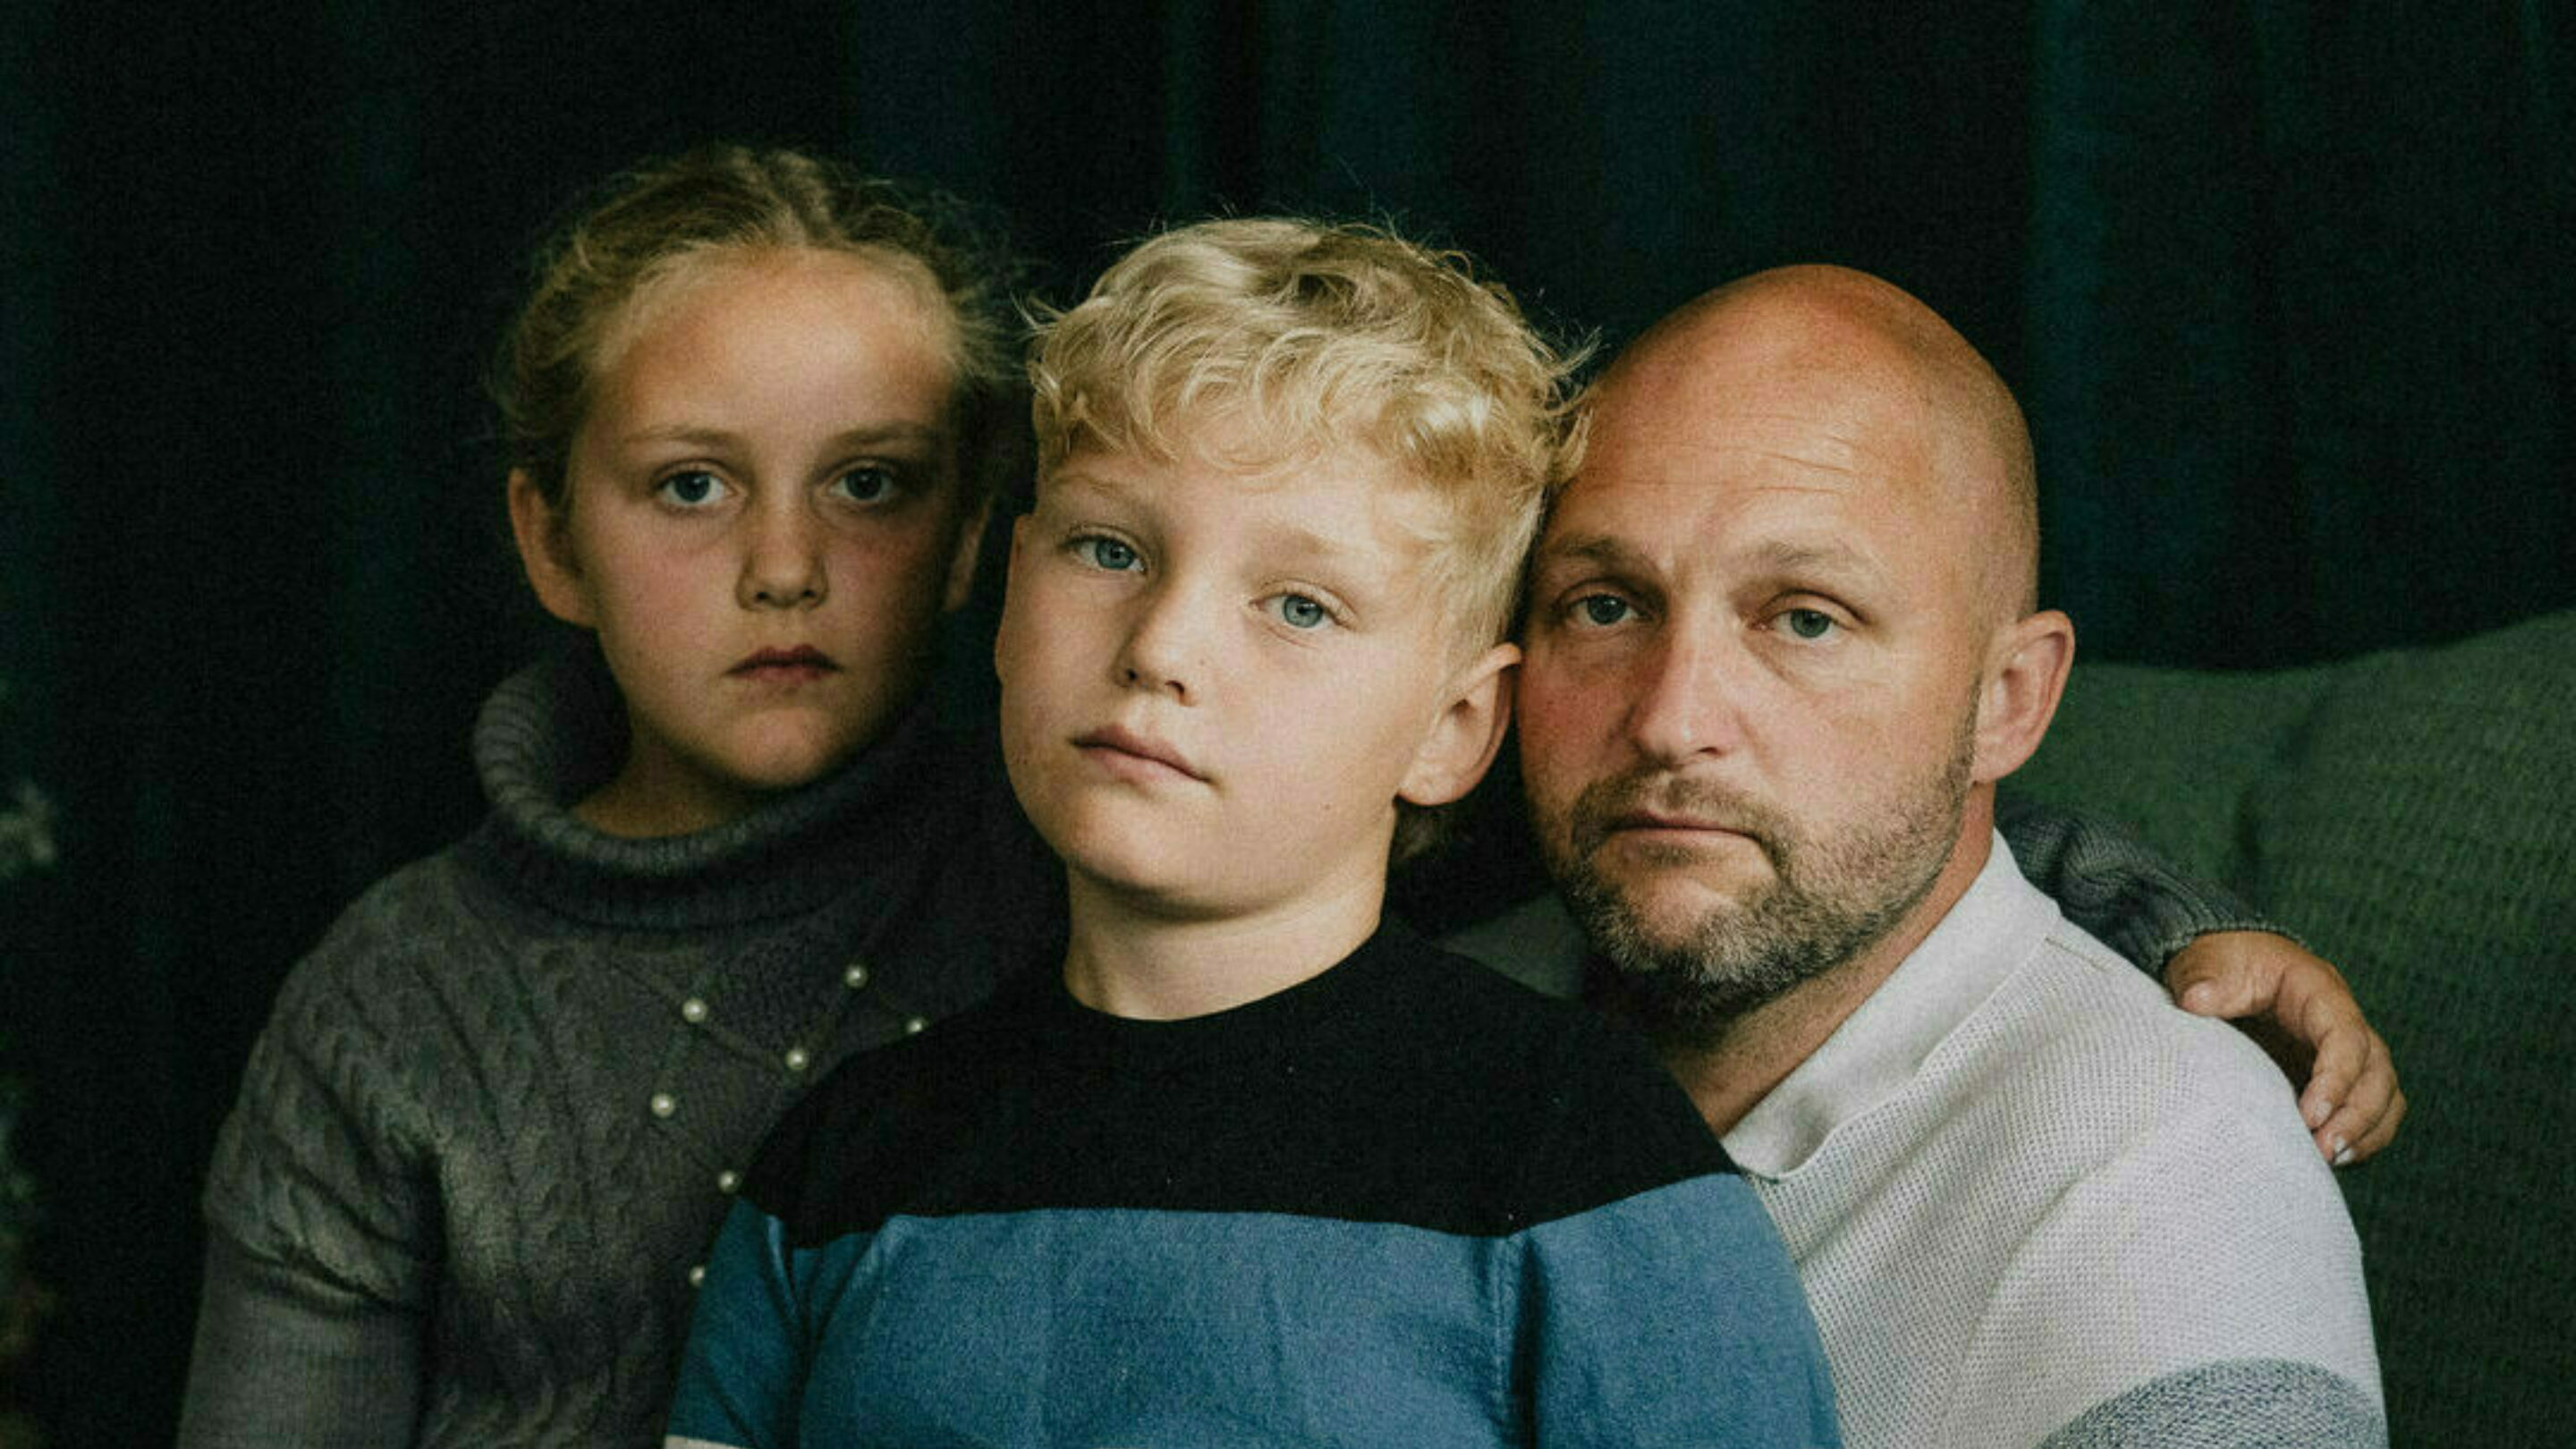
1287,338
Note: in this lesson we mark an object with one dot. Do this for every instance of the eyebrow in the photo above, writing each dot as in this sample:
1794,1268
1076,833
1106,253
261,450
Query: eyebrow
1777,556
866,435
1296,539
1592,548
1783,556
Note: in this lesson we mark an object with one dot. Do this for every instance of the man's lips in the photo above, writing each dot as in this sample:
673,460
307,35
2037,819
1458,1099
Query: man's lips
800,663
1131,755
1656,820
1663,831
1665,813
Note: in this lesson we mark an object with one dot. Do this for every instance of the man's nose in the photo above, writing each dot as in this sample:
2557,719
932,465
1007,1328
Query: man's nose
1684,697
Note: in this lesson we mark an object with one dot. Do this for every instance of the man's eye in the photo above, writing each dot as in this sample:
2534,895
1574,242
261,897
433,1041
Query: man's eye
867,483
1601,609
695,488
1105,553
1808,623
1301,612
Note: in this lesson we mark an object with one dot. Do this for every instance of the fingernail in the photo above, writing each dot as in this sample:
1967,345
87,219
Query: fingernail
2199,997
2316,1113
2342,1154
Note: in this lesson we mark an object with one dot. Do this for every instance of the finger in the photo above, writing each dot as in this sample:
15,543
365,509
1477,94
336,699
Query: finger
2339,1043
2371,1141
2340,1059
2367,1118
2211,977
2350,1137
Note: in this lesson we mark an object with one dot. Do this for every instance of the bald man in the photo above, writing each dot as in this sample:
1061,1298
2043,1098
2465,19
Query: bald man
1782,642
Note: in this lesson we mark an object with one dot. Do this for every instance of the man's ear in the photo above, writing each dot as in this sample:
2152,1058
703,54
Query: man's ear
2026,668
545,551
961,564
1461,743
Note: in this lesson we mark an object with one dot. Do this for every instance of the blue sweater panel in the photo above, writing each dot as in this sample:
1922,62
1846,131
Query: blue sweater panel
1402,1203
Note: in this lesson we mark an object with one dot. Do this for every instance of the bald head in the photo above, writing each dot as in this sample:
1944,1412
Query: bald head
1780,645
1902,394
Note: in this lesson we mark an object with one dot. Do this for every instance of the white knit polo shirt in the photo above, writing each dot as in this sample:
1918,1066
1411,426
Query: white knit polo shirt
2033,1203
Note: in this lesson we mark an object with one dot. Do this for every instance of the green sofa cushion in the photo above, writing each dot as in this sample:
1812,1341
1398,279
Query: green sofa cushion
2412,815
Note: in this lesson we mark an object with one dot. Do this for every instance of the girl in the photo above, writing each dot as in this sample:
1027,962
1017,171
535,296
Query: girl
752,407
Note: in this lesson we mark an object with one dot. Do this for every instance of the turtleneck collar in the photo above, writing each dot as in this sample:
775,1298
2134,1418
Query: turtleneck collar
553,732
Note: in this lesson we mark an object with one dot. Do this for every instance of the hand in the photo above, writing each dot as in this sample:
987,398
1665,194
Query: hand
2298,1006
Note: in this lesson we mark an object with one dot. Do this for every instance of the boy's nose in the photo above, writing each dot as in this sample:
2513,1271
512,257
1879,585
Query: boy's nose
1160,653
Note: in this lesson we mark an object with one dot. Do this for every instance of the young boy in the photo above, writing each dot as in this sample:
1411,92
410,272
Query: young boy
1255,1166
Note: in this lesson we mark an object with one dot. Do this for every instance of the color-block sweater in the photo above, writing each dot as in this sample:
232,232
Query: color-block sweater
1404,1201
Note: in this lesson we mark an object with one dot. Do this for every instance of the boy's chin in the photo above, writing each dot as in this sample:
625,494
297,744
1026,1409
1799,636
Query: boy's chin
1160,890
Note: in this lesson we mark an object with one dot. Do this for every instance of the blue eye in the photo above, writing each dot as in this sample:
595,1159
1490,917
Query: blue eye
1602,609
1301,612
867,483
1105,553
695,488
1808,623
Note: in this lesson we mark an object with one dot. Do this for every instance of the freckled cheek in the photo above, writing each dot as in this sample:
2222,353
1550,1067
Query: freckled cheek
664,592
917,556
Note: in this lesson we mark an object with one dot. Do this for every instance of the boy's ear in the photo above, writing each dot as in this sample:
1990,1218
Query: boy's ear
1462,741
2026,666
961,564
545,551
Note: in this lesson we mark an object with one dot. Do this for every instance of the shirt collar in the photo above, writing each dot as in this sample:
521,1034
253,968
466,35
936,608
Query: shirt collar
1878,1049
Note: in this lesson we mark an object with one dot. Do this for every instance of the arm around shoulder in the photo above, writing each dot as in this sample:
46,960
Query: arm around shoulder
2114,885
2219,958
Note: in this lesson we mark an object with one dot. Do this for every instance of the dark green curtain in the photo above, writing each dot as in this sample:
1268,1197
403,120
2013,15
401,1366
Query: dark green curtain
2285,288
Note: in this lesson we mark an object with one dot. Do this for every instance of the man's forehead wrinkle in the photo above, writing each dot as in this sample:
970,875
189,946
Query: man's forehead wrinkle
1815,437
1586,547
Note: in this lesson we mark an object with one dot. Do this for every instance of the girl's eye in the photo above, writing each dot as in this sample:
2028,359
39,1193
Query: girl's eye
1808,623
695,488
1300,612
1105,553
1601,610
867,483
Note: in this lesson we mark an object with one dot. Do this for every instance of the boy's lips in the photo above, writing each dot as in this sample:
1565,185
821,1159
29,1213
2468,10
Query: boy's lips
1126,752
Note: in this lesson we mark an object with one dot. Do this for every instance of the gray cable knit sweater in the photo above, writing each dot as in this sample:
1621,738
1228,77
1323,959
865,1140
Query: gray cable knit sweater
498,1113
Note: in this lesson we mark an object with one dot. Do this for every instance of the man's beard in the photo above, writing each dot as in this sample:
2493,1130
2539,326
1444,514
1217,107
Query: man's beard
1828,900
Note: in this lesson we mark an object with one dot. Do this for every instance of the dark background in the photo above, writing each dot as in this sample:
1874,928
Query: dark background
2286,289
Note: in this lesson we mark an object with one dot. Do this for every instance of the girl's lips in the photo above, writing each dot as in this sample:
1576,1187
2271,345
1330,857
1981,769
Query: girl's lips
786,664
